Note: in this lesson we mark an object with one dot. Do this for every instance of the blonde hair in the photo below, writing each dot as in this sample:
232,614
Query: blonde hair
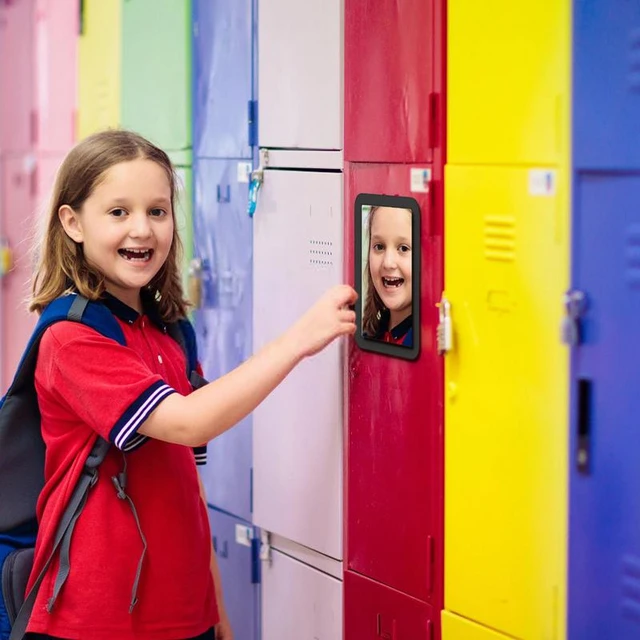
62,266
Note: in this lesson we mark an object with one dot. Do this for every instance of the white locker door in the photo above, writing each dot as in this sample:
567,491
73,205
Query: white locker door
299,602
297,441
300,78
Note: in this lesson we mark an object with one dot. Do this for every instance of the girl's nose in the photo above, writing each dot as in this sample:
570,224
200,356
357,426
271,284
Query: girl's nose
140,226
389,260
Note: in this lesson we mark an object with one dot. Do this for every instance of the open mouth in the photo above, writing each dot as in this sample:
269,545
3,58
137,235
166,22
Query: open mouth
136,255
392,283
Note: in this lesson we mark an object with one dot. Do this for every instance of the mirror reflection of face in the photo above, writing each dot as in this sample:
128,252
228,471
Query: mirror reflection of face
390,260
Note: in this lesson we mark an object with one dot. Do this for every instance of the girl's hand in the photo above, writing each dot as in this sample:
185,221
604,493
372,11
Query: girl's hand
223,628
328,319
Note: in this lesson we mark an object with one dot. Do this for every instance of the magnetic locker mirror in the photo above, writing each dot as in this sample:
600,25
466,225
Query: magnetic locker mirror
387,275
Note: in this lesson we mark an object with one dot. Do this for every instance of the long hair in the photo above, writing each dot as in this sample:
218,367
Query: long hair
373,305
62,265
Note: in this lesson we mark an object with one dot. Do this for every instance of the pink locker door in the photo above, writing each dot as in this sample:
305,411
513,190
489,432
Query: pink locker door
16,75
16,220
394,438
375,611
56,43
391,50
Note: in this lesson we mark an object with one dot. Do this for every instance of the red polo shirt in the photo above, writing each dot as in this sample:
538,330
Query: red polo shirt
89,385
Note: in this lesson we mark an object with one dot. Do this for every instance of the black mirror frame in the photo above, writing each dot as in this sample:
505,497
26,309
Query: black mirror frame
400,202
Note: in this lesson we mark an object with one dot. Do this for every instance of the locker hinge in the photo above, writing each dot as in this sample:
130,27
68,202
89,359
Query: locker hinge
256,568
265,546
252,115
34,127
431,562
81,14
575,305
444,337
434,118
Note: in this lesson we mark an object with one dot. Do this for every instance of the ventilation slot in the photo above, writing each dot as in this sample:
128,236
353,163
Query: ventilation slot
500,238
632,257
634,60
320,253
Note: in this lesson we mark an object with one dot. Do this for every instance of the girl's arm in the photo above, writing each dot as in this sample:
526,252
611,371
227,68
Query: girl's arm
214,408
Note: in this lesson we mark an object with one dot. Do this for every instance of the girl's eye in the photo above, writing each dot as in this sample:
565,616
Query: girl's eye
404,248
378,246
118,213
158,213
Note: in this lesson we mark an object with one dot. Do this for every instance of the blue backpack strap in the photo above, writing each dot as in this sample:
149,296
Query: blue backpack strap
182,332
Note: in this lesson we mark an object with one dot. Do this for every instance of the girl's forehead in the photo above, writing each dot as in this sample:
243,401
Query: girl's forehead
391,215
138,177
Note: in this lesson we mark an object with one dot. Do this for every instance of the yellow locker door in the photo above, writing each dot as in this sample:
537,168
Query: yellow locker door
100,50
507,77
506,265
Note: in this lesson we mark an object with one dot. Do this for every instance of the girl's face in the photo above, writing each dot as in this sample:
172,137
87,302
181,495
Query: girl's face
126,227
390,259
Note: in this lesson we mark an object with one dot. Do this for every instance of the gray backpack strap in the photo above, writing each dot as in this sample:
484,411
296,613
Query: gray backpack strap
63,535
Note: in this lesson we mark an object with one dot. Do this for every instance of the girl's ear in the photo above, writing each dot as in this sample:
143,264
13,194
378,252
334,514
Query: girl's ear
70,223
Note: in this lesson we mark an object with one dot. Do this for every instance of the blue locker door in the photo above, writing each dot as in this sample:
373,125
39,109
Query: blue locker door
606,84
223,241
604,587
232,541
223,68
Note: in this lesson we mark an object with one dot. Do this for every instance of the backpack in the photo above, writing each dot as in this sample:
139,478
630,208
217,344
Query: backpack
22,453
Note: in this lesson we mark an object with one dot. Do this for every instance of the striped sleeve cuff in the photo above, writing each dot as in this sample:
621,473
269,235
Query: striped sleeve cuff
200,454
125,432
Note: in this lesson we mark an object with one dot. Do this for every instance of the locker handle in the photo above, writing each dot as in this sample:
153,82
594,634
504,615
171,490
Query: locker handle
583,454
385,635
227,194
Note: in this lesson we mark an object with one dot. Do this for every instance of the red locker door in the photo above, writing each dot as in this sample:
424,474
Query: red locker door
56,44
392,56
374,611
394,439
16,74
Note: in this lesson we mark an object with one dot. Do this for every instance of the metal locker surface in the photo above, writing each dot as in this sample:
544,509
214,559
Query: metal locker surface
373,611
457,628
232,543
508,78
17,75
56,42
604,558
506,398
299,601
223,41
156,71
394,439
300,85
297,436
391,53
99,59
17,220
223,242
606,83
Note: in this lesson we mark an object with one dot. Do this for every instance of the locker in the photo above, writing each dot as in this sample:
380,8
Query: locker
156,71
299,601
44,176
506,398
17,77
395,449
18,191
297,437
99,66
606,82
300,93
392,54
508,81
223,241
456,628
223,42
604,561
373,611
237,561
56,42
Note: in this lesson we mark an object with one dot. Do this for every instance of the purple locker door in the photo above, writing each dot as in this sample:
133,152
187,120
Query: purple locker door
18,190
56,43
604,557
16,75
223,241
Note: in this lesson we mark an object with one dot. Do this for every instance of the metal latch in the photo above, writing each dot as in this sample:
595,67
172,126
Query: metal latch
265,546
257,178
575,304
445,328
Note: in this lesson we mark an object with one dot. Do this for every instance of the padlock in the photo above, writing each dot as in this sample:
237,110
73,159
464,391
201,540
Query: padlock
195,283
6,257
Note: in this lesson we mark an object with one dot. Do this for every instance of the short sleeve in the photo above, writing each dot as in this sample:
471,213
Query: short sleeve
198,381
106,385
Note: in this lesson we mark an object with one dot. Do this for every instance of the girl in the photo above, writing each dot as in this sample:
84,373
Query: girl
388,305
111,236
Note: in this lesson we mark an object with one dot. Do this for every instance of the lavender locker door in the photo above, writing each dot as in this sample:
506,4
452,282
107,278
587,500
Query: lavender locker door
223,241
604,565
18,191
17,64
233,541
222,58
297,440
56,37
300,59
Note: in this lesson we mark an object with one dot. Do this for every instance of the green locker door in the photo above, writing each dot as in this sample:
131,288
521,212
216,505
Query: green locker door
156,71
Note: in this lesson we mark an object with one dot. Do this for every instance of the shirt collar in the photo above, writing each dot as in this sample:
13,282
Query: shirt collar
125,313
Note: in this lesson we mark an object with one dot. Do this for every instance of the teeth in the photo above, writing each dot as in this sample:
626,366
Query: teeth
136,254
392,282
